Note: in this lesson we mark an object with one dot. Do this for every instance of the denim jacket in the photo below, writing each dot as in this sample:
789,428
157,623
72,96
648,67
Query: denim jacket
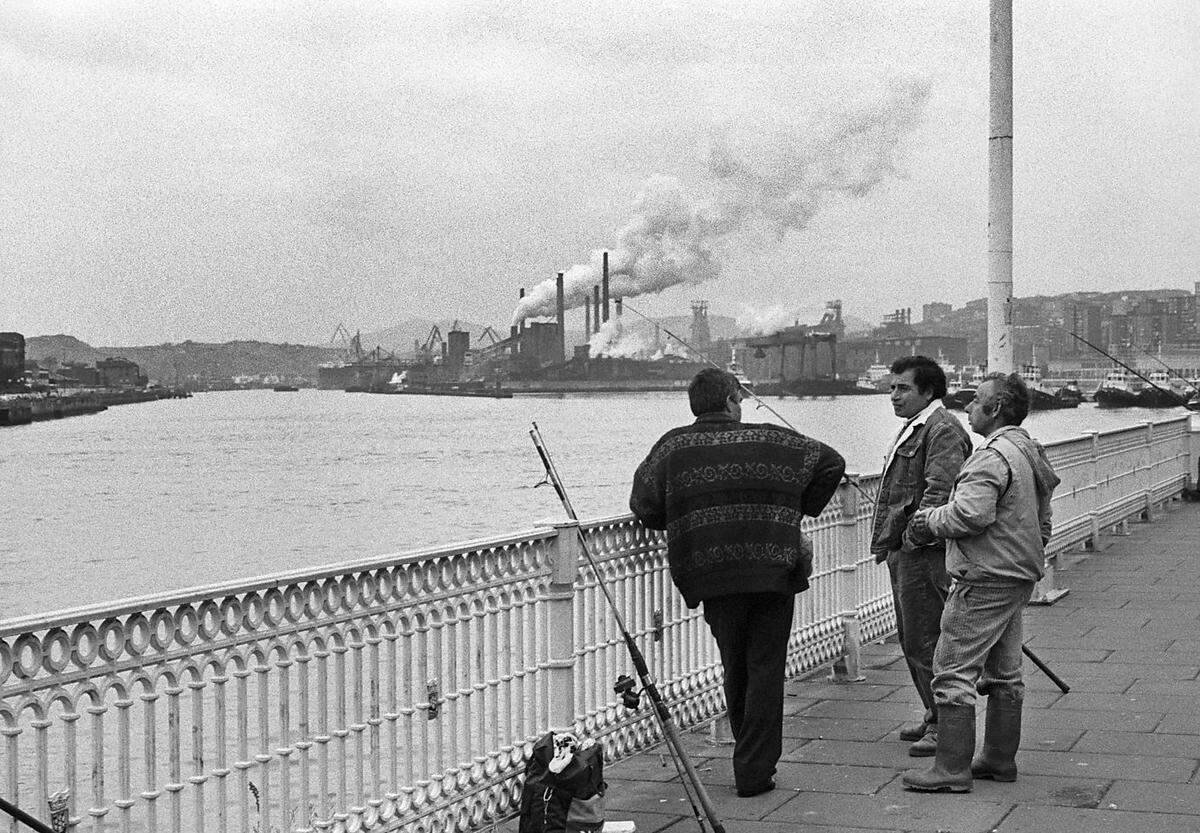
920,476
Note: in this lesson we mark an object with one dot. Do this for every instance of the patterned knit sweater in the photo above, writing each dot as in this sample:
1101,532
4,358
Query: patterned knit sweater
731,496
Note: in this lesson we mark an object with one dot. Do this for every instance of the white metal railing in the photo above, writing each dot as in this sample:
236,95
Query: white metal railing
404,693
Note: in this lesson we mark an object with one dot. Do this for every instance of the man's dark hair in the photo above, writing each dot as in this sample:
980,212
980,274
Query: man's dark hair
709,390
927,373
1013,396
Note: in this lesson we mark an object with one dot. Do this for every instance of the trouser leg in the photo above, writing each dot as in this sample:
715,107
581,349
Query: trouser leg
919,588
978,630
755,629
727,619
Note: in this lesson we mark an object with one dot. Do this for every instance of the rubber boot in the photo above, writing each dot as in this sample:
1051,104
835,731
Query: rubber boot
951,771
1001,737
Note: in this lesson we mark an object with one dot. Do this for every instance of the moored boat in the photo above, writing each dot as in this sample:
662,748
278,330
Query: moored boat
1115,391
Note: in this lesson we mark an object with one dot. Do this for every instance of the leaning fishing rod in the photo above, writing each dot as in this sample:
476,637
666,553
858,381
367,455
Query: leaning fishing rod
1118,361
688,776
757,399
1167,368
24,818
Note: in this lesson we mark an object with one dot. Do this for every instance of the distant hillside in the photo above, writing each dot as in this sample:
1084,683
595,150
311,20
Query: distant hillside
167,362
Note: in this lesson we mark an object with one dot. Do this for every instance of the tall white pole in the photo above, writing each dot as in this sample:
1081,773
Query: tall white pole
1000,201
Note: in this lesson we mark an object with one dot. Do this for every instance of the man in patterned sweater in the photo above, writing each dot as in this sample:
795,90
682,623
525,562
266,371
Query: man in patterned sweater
731,497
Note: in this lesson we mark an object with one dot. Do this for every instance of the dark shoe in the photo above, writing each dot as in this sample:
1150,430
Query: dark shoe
1001,737
951,771
914,730
759,790
927,745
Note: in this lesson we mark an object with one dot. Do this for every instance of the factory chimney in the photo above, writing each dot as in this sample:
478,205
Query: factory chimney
596,307
560,308
521,296
617,305
587,316
604,287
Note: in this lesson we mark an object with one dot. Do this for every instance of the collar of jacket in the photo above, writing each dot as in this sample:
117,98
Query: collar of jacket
715,416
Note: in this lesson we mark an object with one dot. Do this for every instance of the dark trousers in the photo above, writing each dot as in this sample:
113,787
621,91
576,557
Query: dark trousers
752,630
919,588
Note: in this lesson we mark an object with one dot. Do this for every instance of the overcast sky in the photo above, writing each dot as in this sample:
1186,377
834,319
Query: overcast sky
214,171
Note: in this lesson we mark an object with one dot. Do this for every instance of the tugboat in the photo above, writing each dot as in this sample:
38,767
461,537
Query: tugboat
1115,391
1070,392
960,395
1041,399
1159,393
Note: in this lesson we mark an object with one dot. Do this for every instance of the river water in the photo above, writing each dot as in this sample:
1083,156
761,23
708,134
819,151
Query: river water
161,496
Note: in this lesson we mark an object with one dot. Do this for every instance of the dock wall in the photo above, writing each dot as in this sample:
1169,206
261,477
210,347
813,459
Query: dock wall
404,693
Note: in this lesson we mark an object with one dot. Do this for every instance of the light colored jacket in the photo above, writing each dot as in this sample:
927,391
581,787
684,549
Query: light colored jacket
997,521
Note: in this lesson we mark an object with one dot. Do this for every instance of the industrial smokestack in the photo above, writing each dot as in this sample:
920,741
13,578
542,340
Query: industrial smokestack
521,297
560,306
617,304
587,317
604,286
596,307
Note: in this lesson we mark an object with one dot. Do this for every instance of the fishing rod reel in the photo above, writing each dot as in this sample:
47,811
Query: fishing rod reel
630,698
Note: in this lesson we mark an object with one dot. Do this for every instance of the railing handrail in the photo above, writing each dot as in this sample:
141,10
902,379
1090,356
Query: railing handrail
104,610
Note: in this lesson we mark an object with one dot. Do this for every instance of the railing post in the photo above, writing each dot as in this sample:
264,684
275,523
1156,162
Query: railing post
1148,474
846,667
560,619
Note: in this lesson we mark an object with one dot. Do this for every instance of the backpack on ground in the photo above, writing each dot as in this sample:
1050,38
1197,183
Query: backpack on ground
568,801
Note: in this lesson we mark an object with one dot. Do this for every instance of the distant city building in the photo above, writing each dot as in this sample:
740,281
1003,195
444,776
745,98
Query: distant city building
935,311
12,358
80,375
120,373
857,354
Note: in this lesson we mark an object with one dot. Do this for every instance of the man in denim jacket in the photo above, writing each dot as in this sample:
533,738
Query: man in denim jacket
919,470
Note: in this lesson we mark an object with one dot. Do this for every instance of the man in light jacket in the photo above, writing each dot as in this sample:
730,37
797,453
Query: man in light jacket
996,525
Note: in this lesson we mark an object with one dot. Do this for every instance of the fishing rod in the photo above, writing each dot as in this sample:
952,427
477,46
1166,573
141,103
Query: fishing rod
1167,368
20,815
689,778
758,399
1118,361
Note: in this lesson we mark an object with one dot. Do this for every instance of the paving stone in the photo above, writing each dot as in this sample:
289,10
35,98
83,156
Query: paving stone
1154,798
1130,702
899,712
1079,683
832,728
847,691
1179,724
1044,737
886,753
1094,765
1047,819
1138,743
1157,671
909,811
1032,789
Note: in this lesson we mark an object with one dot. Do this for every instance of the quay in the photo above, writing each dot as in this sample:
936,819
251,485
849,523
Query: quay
404,692
1120,753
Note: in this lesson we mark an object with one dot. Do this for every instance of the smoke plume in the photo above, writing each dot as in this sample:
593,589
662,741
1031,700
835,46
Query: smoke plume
786,179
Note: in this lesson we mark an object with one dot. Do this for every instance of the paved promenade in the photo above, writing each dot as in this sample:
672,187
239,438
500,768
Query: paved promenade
1119,753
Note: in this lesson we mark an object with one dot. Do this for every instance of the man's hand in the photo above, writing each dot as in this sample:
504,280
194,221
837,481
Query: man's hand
919,523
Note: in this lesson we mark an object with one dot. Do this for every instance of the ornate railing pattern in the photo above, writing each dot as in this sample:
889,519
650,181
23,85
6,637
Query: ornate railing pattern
404,693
